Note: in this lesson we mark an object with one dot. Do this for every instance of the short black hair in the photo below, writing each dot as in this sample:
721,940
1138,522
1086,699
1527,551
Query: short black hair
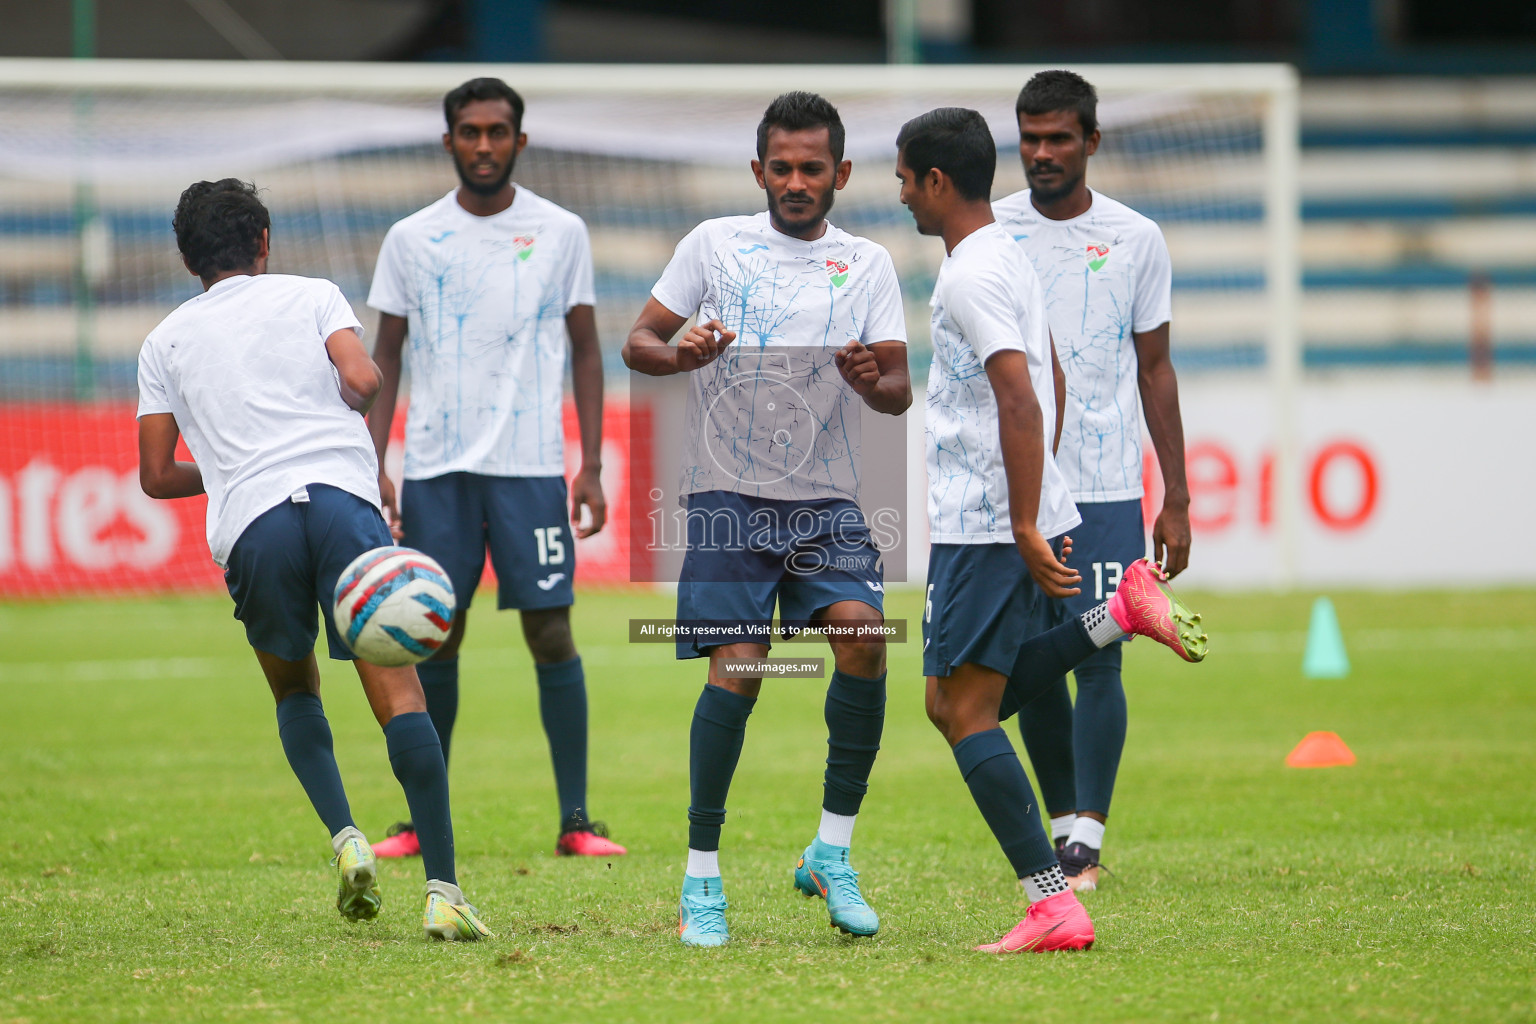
482,89
218,226
797,111
1050,91
958,142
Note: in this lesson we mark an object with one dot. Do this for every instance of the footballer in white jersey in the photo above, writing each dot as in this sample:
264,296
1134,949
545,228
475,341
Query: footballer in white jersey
1108,283
799,326
998,509
266,377
491,286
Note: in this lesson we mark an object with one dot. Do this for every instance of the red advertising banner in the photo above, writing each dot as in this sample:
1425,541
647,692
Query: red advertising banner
74,522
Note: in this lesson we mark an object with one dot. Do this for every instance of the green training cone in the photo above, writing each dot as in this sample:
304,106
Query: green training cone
1325,657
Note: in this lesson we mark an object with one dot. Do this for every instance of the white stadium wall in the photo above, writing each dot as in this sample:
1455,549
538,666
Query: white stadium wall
1402,482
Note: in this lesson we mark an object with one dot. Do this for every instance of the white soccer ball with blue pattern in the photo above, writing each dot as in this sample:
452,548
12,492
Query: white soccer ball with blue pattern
393,606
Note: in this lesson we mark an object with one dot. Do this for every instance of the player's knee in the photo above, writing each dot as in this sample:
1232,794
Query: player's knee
450,647
742,687
449,650
938,711
548,632
282,691
286,678
864,658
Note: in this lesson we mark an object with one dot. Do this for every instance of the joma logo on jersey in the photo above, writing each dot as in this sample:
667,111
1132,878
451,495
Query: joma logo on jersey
1098,255
523,246
837,270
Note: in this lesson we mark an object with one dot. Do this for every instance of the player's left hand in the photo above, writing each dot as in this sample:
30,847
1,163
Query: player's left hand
858,366
1170,539
587,489
1053,577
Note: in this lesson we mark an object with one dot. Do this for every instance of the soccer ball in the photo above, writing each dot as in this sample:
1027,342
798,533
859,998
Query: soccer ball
393,606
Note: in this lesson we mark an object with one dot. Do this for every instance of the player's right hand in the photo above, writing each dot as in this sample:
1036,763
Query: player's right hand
1053,578
702,344
390,506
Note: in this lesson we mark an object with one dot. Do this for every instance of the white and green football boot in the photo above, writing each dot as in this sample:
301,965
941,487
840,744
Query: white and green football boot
449,915
823,871
357,897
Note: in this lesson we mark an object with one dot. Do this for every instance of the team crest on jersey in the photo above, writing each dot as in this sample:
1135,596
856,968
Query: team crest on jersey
1098,255
837,272
522,245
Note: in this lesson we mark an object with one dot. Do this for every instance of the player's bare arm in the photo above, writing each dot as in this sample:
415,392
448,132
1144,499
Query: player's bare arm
1159,388
1021,432
1059,386
878,373
357,376
387,351
649,350
160,474
587,387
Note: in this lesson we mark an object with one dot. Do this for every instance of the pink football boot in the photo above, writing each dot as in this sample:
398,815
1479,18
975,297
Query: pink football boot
1056,922
402,842
1144,604
587,839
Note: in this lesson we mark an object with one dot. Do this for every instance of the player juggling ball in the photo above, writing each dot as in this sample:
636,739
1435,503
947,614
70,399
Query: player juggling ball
996,505
487,284
799,326
266,377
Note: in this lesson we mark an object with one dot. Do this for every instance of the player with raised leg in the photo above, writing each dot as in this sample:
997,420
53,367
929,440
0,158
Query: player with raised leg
487,283
1106,276
782,287
996,502
266,377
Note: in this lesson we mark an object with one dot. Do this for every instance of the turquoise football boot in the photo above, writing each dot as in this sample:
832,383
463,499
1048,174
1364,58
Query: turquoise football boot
823,871
701,913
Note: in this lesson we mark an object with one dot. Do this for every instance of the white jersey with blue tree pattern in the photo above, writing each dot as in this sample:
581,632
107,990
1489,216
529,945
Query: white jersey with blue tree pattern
772,417
1106,274
486,300
986,300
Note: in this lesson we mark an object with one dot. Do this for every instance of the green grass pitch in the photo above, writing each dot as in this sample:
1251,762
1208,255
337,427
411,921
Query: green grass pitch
159,862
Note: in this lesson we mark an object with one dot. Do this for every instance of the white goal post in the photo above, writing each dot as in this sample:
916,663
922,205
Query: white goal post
93,154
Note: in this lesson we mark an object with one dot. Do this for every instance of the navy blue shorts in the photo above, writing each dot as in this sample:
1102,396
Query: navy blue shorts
982,604
288,560
747,554
1110,537
523,520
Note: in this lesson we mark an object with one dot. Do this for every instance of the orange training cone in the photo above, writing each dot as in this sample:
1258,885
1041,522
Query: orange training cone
1320,750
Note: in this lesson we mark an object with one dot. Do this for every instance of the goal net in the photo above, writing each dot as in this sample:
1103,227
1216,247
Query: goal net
94,155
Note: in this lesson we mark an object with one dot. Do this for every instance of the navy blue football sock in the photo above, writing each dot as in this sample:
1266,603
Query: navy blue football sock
417,758
563,709
1046,725
306,737
440,684
855,713
714,747
1098,728
1044,659
1001,790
